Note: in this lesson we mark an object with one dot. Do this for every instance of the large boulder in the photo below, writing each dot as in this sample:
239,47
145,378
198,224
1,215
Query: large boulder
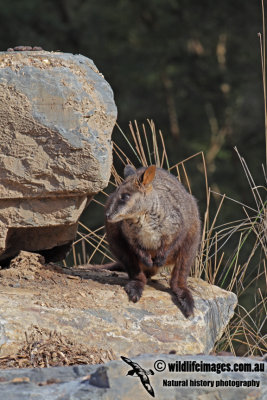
91,308
57,113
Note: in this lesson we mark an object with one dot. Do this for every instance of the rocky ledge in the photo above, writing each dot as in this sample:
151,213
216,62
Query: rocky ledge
90,307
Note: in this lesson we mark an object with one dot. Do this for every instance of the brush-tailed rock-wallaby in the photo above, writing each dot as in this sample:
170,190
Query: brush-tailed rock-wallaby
152,221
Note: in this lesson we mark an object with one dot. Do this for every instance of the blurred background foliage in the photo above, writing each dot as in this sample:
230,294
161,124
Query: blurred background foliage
193,67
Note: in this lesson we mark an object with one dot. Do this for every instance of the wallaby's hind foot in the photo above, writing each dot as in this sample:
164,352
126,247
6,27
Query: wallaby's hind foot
134,289
185,301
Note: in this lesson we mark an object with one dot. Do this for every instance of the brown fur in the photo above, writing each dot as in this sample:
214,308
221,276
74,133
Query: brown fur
152,221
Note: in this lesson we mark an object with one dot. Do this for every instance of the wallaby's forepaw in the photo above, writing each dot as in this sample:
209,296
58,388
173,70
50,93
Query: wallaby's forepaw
134,289
159,261
146,260
185,301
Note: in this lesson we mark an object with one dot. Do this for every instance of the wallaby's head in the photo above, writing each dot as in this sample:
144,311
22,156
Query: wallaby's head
132,198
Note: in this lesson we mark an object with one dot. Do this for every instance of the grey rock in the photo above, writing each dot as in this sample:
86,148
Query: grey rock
93,309
100,378
75,383
57,113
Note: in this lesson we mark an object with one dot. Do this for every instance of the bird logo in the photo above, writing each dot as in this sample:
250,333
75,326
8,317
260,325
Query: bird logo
141,373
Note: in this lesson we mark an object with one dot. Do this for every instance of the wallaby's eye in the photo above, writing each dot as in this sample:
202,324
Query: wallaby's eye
124,197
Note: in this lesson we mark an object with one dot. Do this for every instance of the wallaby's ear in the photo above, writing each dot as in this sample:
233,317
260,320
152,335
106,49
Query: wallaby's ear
129,170
148,175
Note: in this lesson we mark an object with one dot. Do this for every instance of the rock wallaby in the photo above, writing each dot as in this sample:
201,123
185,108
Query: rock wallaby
152,221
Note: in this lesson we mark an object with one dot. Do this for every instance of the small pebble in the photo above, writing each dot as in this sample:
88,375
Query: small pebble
15,285
25,48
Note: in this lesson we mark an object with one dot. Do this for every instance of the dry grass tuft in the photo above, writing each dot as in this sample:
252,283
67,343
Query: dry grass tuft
43,348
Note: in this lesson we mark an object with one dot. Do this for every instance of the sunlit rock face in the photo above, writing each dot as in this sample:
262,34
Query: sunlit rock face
57,113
